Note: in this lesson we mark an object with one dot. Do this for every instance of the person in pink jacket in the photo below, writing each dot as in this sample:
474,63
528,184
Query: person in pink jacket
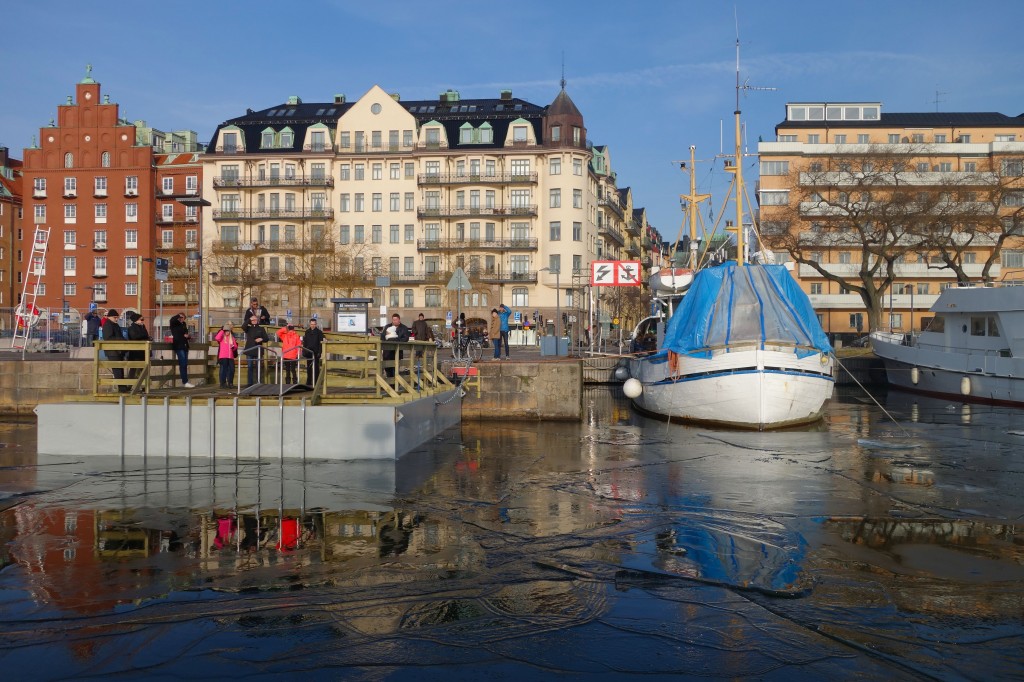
227,350
291,345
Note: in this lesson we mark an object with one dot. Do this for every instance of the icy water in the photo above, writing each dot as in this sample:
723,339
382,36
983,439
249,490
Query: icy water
616,548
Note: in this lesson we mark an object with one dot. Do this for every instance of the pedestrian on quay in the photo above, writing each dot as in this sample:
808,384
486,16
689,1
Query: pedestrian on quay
312,349
227,351
255,337
396,331
261,313
421,331
494,332
111,331
93,322
503,314
180,337
137,332
291,345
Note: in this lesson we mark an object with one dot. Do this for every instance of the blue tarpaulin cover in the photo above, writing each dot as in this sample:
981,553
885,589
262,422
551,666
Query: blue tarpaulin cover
732,304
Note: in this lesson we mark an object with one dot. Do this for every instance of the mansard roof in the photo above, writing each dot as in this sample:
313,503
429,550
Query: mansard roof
938,119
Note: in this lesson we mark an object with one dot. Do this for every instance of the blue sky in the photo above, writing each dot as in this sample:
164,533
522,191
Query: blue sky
650,77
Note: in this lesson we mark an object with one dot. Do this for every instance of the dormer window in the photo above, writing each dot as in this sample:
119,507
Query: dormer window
287,138
519,133
267,139
556,133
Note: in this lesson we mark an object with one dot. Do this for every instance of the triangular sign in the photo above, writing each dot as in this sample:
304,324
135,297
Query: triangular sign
459,280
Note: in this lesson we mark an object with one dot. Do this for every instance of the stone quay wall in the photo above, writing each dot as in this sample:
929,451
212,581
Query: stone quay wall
25,384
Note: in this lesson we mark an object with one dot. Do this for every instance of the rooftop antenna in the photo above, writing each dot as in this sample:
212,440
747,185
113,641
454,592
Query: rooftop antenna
937,100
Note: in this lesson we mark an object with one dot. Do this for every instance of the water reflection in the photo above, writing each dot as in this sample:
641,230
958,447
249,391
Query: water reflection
613,546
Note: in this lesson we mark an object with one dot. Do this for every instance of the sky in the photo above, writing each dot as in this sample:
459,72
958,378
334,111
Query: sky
651,77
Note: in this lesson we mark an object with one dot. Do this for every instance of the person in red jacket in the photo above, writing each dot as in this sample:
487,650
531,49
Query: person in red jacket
291,345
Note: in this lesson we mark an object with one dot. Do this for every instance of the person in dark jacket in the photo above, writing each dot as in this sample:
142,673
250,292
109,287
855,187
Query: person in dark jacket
137,332
93,322
111,331
312,349
261,313
179,342
255,337
396,331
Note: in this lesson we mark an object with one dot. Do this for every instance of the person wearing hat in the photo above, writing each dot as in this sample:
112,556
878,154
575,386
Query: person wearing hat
291,344
312,348
111,331
255,337
136,332
179,343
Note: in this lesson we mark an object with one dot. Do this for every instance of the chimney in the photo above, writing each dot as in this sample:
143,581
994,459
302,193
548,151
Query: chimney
339,99
506,94
3,156
294,99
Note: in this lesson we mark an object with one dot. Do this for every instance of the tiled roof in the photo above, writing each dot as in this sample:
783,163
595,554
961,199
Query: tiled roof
498,113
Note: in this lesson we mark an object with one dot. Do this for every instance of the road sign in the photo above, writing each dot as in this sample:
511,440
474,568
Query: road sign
517,317
448,319
459,280
615,273
160,273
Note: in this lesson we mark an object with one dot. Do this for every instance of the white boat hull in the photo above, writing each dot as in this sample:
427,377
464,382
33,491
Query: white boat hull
756,389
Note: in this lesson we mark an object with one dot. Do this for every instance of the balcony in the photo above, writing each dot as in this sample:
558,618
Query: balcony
99,272
498,277
953,179
39,193
854,302
182,273
477,179
274,214
906,270
99,192
70,193
633,228
633,249
492,212
99,246
298,181
229,149
421,277
131,191
318,147
376,148
614,206
177,299
476,244
610,232
273,246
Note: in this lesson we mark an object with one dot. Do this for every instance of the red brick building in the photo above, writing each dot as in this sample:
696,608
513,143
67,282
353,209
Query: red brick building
108,197
11,212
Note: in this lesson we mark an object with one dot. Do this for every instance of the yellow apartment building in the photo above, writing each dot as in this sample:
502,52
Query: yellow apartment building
915,201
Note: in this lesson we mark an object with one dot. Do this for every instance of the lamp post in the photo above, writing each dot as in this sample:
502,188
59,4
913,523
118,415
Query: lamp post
558,307
206,300
196,256
138,291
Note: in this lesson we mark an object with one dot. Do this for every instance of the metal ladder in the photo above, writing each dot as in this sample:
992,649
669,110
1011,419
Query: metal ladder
27,313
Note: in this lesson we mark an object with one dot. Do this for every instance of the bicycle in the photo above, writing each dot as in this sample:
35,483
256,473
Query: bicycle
470,349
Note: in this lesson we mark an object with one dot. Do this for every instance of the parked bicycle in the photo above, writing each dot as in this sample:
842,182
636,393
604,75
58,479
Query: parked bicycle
469,349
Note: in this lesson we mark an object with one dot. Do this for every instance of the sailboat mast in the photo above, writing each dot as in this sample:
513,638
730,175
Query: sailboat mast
693,208
740,191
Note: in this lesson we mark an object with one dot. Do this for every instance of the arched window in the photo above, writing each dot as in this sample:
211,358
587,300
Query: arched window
520,297
105,160
69,160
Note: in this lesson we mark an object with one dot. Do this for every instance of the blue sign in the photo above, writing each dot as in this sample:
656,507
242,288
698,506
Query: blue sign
92,305
517,317
448,319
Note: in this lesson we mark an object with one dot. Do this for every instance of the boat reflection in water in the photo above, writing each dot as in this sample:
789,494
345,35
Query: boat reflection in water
619,545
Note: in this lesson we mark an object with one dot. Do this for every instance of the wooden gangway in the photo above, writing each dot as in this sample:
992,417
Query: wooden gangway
354,369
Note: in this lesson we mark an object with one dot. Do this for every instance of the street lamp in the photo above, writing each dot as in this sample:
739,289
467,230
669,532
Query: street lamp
196,256
558,308
206,300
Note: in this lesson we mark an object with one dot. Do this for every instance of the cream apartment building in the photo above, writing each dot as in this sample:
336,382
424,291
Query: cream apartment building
312,201
817,166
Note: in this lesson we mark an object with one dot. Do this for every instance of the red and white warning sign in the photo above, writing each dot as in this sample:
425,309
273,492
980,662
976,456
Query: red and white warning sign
615,273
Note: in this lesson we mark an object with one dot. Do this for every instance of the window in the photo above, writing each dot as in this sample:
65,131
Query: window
131,185
410,301
395,171
940,139
376,234
40,213
410,201
393,231
69,160
99,265
360,236
922,288
518,134
99,238
344,200
577,198
965,139
774,167
359,202
70,213
787,138
105,160
840,139
39,186
577,166
844,256
555,230
1010,167
395,293
555,165
863,138
410,169
814,138
556,134
70,239
360,171
168,185
520,167
267,139
131,239
432,298
816,288
555,263
167,238
99,187
100,212
577,232
377,172
377,202
167,212
971,166
520,297
917,138
70,187
555,196
288,139
343,234
774,198
69,265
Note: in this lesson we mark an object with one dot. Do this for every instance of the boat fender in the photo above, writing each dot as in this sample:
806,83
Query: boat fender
621,373
965,386
914,375
632,388
673,363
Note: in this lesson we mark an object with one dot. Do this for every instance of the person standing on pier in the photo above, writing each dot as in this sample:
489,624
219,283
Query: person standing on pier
291,344
312,348
255,337
261,313
137,332
396,331
494,332
92,326
503,314
227,351
179,343
112,332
